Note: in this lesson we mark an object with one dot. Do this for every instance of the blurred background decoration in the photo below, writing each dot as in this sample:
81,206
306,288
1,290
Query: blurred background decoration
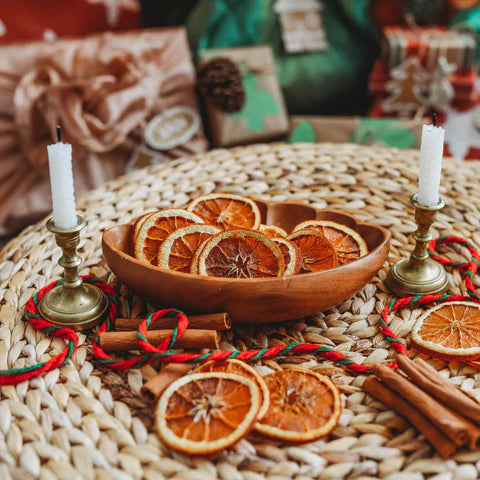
120,76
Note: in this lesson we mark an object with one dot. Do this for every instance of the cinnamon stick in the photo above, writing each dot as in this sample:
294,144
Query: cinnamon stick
153,389
458,429
429,380
214,321
442,444
121,341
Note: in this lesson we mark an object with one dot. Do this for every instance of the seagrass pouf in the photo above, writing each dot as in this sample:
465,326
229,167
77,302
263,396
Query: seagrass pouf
84,421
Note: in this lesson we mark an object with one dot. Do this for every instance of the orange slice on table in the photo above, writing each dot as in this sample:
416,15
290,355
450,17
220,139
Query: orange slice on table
207,412
304,406
450,330
227,211
156,228
178,249
240,254
318,253
348,244
291,255
273,231
238,367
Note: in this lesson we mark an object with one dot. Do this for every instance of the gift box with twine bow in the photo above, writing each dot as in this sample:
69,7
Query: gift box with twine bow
242,96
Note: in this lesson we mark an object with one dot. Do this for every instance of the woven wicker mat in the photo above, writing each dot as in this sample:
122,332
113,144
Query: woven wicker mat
85,422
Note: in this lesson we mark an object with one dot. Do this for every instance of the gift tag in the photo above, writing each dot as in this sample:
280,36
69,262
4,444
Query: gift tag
301,23
171,128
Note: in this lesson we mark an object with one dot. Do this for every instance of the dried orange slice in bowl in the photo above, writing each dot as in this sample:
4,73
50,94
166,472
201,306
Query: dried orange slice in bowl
227,211
348,244
273,231
156,228
240,254
238,367
449,330
138,224
304,406
318,253
178,249
291,255
207,412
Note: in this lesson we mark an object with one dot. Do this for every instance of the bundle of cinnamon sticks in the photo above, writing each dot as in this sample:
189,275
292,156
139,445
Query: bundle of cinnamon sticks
446,416
203,334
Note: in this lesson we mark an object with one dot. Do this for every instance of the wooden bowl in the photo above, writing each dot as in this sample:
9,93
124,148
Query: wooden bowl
259,300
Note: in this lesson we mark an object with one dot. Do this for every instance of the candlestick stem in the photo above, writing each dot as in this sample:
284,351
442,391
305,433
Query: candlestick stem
419,275
73,303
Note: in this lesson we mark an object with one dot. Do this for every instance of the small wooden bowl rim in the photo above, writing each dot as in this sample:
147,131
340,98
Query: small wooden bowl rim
355,222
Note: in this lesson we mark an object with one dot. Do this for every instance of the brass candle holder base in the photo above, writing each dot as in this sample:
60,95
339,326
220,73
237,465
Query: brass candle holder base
72,304
419,275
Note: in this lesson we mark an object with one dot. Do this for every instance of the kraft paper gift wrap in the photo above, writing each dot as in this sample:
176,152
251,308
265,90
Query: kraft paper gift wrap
102,90
263,116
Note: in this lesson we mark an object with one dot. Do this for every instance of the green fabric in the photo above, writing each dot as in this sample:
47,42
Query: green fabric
304,132
258,104
333,81
391,132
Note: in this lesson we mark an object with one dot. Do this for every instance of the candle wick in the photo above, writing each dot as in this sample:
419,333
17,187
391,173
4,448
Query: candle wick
434,117
59,134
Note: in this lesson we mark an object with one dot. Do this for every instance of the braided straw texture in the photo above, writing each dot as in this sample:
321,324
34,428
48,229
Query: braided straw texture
86,422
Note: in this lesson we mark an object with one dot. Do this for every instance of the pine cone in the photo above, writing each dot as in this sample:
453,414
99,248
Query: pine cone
221,82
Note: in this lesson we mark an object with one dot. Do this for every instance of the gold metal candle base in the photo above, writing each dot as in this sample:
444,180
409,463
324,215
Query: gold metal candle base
72,304
419,275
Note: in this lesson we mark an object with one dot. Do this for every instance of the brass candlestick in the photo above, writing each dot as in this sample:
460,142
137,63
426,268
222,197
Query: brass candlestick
73,303
419,275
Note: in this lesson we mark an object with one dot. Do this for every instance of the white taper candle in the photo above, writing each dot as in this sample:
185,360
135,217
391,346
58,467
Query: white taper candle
61,182
431,154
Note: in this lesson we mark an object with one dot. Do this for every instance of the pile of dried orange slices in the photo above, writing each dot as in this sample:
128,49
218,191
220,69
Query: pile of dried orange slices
221,402
221,235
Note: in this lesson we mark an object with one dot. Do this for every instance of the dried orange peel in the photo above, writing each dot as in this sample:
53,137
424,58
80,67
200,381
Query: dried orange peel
207,412
304,406
227,211
239,367
449,330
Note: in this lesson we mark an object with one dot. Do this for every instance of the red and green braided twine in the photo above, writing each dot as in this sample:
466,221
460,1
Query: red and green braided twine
165,350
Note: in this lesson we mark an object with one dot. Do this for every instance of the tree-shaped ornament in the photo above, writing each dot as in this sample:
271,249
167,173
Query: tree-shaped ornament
441,93
405,88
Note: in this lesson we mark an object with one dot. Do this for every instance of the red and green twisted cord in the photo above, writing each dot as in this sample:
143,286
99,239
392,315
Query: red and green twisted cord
164,351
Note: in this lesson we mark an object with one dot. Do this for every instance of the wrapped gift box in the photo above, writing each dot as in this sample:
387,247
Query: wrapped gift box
262,116
102,90
427,45
391,132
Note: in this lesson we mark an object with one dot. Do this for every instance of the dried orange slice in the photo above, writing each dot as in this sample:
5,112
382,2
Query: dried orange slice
291,255
178,249
138,224
227,211
240,254
304,406
450,330
238,367
156,228
318,253
207,412
196,256
273,231
348,244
